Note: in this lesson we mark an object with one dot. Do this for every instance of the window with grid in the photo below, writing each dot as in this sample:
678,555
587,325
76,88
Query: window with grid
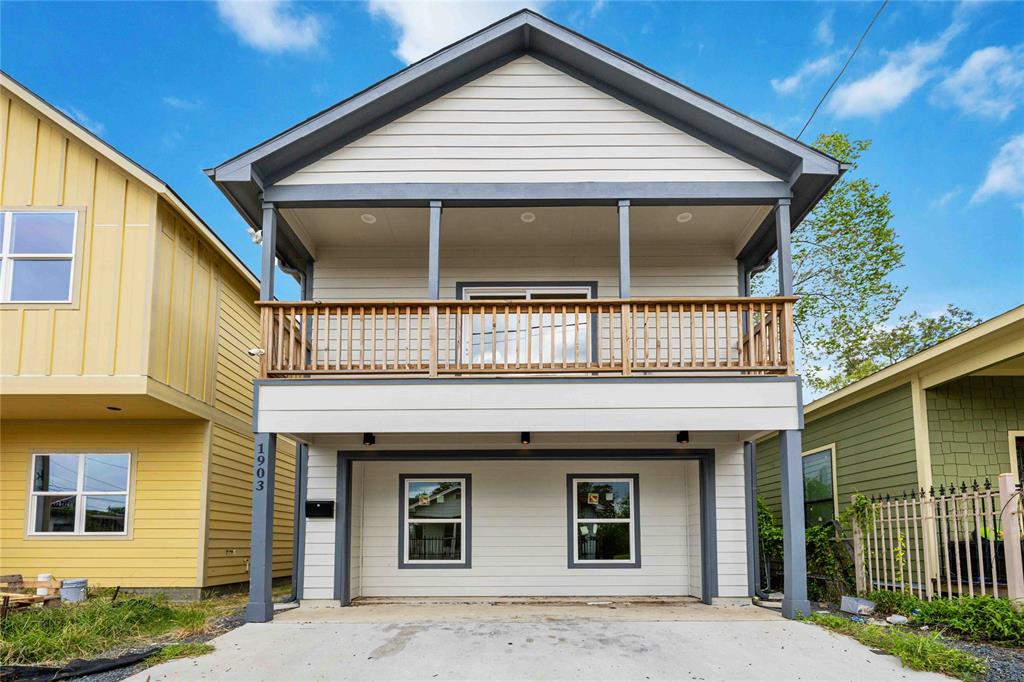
80,494
37,256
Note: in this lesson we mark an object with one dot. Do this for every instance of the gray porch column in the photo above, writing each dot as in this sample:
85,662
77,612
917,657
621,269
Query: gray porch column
260,608
782,238
434,252
794,557
269,245
343,533
624,248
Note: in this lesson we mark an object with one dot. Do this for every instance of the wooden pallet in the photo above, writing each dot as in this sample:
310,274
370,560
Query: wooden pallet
11,599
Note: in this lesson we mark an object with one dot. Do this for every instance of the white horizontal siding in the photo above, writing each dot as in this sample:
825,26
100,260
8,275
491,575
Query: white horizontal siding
400,273
670,521
526,122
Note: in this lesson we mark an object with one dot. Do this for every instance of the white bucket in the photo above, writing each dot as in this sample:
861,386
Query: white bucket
42,591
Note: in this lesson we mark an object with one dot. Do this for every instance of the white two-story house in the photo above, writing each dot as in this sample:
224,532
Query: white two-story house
526,362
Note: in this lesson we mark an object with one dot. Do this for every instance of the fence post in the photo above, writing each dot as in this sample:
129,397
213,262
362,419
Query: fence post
859,556
1009,522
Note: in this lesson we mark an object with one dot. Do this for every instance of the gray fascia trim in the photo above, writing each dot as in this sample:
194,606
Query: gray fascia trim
299,541
634,521
343,531
708,529
467,523
752,379
327,195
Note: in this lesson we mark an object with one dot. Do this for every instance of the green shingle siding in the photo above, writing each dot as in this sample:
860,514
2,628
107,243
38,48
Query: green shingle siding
874,448
968,424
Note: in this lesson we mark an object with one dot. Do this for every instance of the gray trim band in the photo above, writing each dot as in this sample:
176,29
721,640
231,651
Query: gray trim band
291,196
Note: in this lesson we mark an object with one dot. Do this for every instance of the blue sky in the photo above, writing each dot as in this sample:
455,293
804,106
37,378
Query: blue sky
938,87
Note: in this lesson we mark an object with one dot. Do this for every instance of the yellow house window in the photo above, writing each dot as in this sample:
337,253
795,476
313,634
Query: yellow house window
80,494
37,256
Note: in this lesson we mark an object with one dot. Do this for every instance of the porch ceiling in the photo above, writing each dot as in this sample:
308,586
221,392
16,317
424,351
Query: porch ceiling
505,226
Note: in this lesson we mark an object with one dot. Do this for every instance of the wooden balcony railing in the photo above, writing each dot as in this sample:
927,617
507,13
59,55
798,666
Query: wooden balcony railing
473,338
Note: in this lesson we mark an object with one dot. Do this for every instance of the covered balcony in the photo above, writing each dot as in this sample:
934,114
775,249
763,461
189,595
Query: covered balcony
534,290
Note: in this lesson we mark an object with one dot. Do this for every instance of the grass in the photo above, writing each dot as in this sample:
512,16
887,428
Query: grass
98,625
184,650
981,619
916,651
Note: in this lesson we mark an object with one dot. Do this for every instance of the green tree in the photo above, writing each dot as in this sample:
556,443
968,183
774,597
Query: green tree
844,254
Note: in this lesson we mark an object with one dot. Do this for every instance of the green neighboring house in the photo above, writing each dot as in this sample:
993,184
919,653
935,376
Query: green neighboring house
953,413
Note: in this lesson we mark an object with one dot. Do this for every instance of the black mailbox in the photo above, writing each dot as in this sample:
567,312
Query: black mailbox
319,510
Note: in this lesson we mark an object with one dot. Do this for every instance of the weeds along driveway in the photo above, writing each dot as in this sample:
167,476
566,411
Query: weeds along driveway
568,642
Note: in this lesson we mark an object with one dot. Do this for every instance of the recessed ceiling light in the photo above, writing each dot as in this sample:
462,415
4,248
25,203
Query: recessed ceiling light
527,217
368,218
684,217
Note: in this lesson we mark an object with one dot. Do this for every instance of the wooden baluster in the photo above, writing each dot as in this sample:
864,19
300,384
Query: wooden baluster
918,517
280,339
314,353
505,337
728,336
955,532
704,333
433,347
714,334
907,580
944,545
693,336
625,340
551,325
529,335
594,359
962,503
991,525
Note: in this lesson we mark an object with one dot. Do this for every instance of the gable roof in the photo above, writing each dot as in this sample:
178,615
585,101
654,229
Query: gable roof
991,342
130,167
810,172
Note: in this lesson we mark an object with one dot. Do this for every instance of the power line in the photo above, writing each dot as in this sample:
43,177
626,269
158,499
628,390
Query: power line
843,70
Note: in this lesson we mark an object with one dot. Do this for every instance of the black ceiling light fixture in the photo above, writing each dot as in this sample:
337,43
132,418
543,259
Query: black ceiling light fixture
683,437
524,437
369,439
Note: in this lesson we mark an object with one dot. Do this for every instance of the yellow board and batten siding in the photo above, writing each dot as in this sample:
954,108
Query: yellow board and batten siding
156,298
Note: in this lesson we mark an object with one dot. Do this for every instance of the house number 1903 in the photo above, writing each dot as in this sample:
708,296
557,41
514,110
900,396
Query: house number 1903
261,470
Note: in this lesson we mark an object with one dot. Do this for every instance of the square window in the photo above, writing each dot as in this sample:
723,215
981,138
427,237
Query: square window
79,494
434,521
604,528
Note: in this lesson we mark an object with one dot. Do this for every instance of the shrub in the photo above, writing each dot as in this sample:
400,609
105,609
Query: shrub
976,618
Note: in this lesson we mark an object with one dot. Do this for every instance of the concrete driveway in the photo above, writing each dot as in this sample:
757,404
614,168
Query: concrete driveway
568,641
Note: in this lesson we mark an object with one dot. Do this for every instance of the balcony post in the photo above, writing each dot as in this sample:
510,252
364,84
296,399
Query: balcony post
434,253
269,254
624,248
782,237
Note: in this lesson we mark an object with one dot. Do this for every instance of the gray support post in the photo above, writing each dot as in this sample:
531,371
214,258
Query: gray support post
624,285
794,557
260,608
269,245
343,533
750,484
299,537
782,238
742,283
434,253
307,281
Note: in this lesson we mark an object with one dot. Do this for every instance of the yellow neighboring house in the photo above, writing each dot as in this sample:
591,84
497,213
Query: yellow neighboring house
125,382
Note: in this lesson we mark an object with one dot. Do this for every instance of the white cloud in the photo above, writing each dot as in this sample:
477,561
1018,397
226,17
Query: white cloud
823,31
182,103
92,125
941,202
807,71
271,25
426,26
990,83
903,73
1005,173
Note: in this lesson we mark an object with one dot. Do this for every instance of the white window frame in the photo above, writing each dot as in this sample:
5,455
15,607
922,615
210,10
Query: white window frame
831,448
461,521
633,559
79,494
7,258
